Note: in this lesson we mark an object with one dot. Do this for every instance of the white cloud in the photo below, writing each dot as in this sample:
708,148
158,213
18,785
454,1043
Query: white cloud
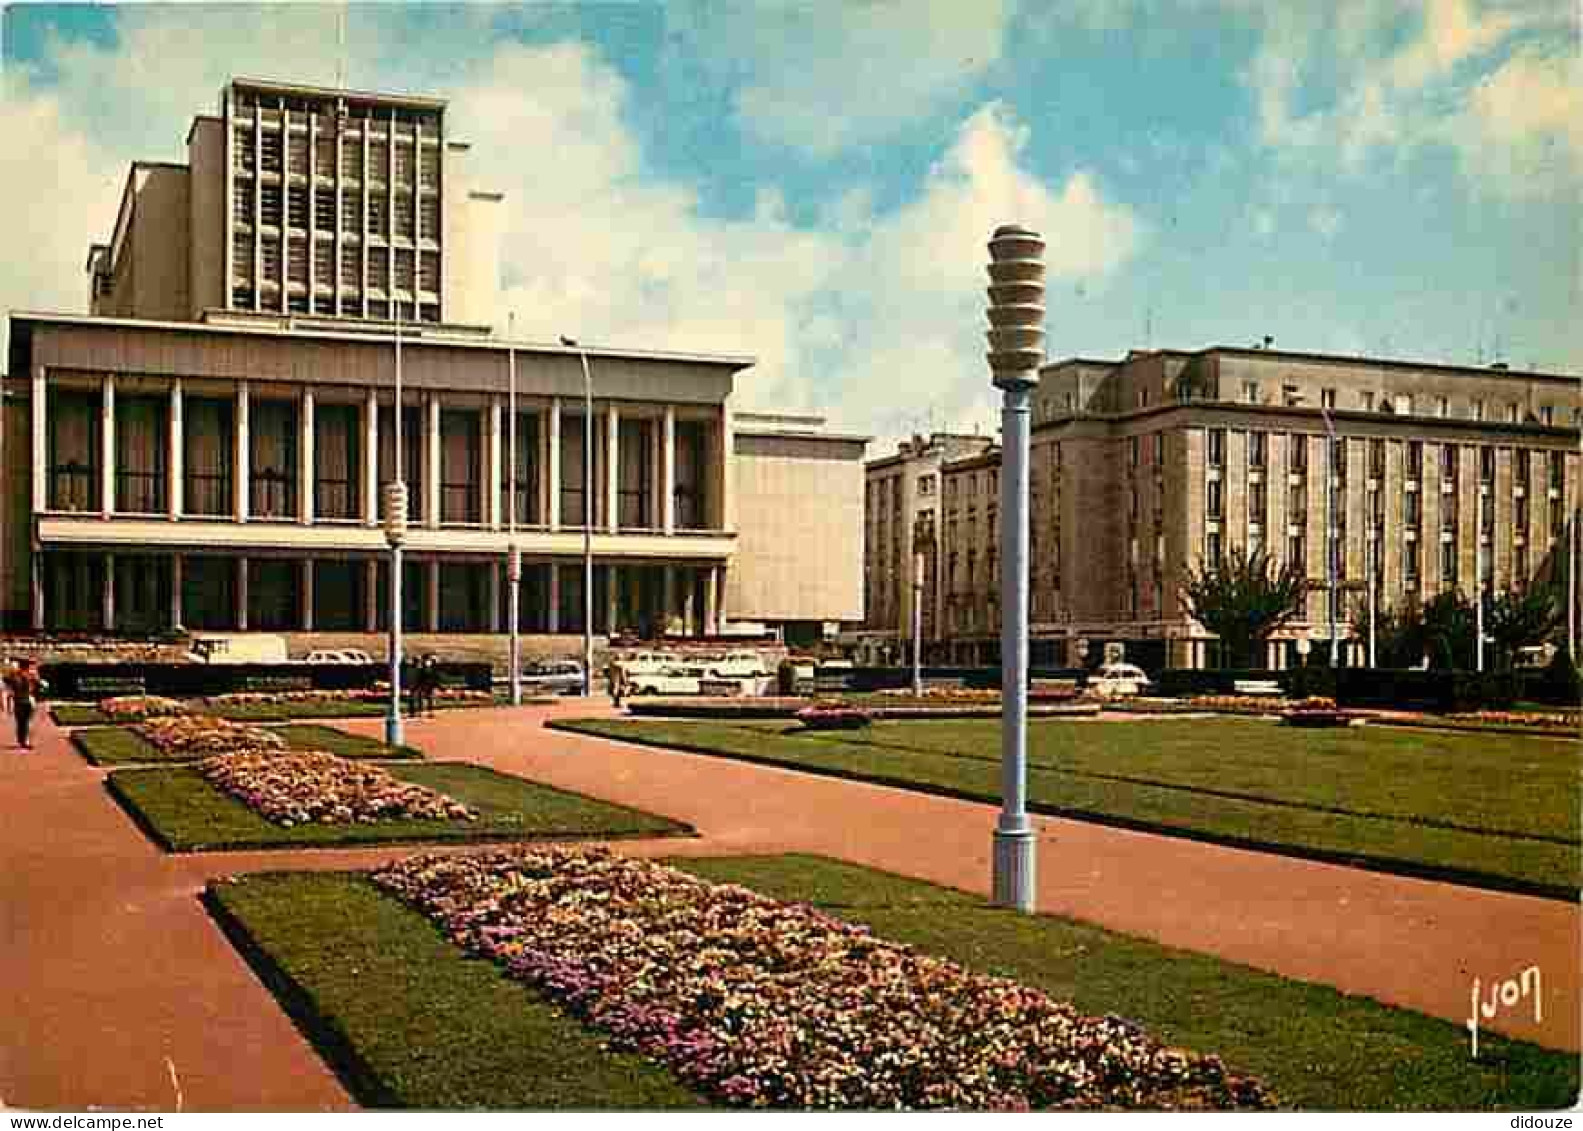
828,77
872,315
1460,75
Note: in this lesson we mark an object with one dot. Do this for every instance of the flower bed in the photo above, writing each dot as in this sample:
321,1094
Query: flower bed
310,787
760,1003
198,736
1315,711
824,716
132,708
1536,720
379,693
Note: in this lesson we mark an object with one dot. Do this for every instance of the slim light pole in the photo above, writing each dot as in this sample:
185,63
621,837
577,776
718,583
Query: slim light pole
917,622
588,517
1478,572
1373,551
395,534
1330,526
513,551
1016,350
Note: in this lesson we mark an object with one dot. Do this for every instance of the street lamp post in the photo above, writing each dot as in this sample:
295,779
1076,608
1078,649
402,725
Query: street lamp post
588,516
917,622
1478,573
1330,527
1373,558
513,551
1016,350
395,534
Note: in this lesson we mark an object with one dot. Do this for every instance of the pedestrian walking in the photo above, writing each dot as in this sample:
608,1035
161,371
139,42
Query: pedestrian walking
22,690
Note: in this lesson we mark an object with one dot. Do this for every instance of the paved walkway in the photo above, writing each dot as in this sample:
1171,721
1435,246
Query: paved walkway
117,990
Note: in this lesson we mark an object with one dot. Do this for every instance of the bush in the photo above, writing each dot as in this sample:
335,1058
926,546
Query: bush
1559,684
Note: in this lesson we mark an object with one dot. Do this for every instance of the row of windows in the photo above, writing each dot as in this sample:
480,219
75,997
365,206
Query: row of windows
296,208
270,152
1449,456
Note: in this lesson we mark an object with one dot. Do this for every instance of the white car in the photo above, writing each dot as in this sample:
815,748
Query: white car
738,665
1119,679
676,680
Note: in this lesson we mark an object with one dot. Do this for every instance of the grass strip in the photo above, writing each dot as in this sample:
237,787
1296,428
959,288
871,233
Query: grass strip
123,746
182,812
1169,776
409,1020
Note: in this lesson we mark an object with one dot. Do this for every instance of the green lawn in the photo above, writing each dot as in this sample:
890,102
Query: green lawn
120,746
410,1021
183,813
1497,812
406,1019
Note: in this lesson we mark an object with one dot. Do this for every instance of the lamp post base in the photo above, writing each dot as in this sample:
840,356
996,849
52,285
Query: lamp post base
393,729
1014,875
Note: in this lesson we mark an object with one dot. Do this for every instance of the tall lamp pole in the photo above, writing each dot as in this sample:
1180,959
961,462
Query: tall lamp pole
588,517
1330,527
1478,571
917,611
513,551
1373,558
395,534
1016,350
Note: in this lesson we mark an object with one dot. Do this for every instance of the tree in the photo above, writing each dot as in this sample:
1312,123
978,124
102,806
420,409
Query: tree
1243,599
1449,634
1398,632
1516,618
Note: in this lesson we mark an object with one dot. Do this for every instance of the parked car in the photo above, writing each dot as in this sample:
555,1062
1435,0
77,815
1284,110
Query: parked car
553,677
1119,679
738,665
675,680
338,656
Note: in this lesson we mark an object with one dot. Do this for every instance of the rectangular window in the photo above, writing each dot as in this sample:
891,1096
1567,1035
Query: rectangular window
324,154
1212,500
242,202
323,263
351,265
1217,447
271,151
378,214
1448,565
429,218
1212,547
1486,465
337,446
270,205
404,218
297,153
461,460
1367,398
73,422
1520,465
1413,511
1557,470
1478,410
1297,552
1291,397
1297,446
1448,463
378,161
1442,406
1377,459
1256,504
324,209
635,475
412,455
527,461
208,427
1258,449
692,446
1250,392
242,150
1415,459
1327,397
1297,504
351,212
272,427
429,166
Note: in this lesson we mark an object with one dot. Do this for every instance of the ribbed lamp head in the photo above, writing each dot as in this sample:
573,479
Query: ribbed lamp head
395,513
1016,306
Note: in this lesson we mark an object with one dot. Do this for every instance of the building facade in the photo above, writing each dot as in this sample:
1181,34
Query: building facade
903,519
206,448
1142,469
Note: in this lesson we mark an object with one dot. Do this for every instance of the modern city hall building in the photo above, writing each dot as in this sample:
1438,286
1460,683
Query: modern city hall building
206,448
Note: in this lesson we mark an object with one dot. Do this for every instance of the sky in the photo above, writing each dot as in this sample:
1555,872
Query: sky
813,184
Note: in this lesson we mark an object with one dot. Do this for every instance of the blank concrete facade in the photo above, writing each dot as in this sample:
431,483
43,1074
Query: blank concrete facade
1142,469
206,448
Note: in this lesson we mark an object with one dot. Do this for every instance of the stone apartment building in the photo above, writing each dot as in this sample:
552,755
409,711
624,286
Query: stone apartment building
1142,468
903,516
206,447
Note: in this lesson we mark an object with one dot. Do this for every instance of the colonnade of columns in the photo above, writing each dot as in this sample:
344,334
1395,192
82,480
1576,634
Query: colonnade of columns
496,454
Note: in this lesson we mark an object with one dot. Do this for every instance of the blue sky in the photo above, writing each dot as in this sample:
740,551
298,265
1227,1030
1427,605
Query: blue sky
812,184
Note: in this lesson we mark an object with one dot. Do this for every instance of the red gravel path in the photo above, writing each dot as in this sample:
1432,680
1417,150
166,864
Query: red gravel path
117,991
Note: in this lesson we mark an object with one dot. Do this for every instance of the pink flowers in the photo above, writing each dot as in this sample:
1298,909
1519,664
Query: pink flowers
199,736
768,1004
311,787
130,708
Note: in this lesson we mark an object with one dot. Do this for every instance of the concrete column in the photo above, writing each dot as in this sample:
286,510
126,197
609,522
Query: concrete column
432,575
36,569
711,609
431,463
612,605
552,466
722,615
371,595
305,593
612,465
107,595
554,611
177,613
370,459
38,414
241,594
728,495
175,464
107,459
668,472
241,456
494,596
493,479
667,594
305,459
689,579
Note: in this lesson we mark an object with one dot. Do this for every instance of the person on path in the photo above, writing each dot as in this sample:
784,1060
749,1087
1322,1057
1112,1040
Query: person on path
428,683
22,689
617,677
